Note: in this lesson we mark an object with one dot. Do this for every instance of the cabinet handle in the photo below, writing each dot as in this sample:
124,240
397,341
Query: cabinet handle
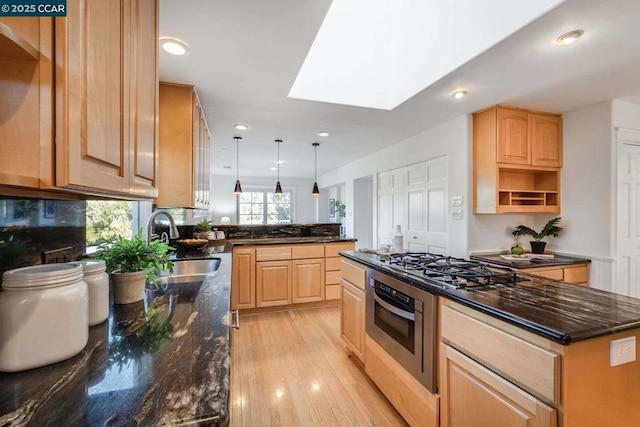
236,315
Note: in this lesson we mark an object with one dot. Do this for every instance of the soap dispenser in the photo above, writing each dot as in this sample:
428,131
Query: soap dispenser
398,240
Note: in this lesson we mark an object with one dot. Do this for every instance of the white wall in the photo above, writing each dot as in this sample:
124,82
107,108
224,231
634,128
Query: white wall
223,201
451,139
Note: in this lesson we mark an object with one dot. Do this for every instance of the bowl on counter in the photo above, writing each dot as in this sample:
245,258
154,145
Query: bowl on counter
191,243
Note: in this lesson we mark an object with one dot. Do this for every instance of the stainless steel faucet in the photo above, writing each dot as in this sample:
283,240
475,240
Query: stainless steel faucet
173,230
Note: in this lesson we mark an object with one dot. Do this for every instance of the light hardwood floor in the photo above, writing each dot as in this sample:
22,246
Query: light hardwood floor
291,368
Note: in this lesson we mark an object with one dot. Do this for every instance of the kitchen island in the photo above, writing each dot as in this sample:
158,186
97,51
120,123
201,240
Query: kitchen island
164,360
531,352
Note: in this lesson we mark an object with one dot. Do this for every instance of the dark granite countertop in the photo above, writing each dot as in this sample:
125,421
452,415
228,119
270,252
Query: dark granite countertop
557,261
291,240
170,367
559,311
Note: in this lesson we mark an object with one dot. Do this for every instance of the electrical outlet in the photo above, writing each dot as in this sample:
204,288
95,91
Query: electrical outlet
623,351
456,201
456,214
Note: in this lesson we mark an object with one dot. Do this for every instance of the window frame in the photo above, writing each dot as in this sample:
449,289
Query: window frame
265,190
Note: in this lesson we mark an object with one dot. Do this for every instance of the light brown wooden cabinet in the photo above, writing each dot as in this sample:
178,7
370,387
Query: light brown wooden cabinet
577,274
472,395
352,317
537,382
308,280
312,276
104,108
243,278
273,283
183,177
517,155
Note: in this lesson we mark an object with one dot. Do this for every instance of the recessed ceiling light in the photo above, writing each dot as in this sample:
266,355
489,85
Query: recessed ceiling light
458,93
273,168
278,162
323,133
174,46
569,38
240,126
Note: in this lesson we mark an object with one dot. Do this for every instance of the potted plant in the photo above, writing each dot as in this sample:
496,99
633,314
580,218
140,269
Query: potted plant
202,229
131,263
340,213
551,228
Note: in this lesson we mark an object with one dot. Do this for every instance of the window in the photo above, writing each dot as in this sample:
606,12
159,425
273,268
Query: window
264,207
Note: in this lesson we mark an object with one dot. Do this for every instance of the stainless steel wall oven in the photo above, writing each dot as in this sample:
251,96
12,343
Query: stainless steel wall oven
402,319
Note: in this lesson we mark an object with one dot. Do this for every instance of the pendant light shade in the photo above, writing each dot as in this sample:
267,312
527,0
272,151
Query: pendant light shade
316,190
278,186
238,188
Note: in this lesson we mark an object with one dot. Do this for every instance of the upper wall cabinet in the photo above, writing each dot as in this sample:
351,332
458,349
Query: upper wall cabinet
104,141
184,167
517,155
106,96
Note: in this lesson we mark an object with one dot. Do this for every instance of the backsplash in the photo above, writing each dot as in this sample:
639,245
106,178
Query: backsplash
29,227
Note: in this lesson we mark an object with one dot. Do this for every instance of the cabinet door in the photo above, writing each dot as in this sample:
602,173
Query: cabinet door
352,318
473,396
243,278
93,71
308,280
273,283
144,102
513,137
26,145
546,140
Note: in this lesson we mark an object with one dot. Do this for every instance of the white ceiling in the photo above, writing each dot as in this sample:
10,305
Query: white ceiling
246,55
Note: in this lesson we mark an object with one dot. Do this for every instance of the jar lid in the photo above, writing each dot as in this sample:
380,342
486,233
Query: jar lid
91,266
41,275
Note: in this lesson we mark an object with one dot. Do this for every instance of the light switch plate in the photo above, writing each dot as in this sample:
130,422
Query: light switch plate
456,201
456,214
623,351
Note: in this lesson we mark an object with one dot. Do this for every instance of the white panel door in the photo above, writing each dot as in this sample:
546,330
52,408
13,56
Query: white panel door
385,218
628,214
436,233
416,230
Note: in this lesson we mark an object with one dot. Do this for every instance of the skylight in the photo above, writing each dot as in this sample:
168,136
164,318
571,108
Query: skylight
379,53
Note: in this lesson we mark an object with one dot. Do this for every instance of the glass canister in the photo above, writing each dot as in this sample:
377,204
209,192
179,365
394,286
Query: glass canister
43,315
95,274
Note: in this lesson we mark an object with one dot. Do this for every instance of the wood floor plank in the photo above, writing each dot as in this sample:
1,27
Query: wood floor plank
291,368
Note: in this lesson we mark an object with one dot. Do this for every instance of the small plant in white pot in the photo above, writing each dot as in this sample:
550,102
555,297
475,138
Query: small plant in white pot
551,228
131,263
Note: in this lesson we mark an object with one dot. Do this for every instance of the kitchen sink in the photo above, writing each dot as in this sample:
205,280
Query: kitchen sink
193,270
195,266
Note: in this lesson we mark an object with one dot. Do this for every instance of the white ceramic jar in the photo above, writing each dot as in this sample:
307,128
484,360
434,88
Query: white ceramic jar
43,316
95,274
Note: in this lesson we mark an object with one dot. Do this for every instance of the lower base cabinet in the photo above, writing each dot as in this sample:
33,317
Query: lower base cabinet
414,402
308,280
473,396
352,318
273,283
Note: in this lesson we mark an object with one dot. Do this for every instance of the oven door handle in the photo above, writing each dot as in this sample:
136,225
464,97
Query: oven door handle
394,310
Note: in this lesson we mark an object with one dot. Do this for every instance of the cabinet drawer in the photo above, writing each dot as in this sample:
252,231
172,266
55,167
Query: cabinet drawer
332,249
555,273
531,367
273,253
354,273
332,277
332,292
307,251
333,264
576,275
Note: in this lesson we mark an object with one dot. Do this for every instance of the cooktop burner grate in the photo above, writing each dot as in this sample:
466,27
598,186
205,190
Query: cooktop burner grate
451,271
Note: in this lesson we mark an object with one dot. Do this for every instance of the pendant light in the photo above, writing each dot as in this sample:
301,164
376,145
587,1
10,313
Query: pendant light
238,189
315,191
278,186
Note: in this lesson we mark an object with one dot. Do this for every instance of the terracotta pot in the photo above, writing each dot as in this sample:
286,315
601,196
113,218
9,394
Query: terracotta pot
538,247
128,287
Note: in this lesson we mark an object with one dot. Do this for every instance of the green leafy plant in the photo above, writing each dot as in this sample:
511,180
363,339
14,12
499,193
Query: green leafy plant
340,209
203,226
127,256
551,228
